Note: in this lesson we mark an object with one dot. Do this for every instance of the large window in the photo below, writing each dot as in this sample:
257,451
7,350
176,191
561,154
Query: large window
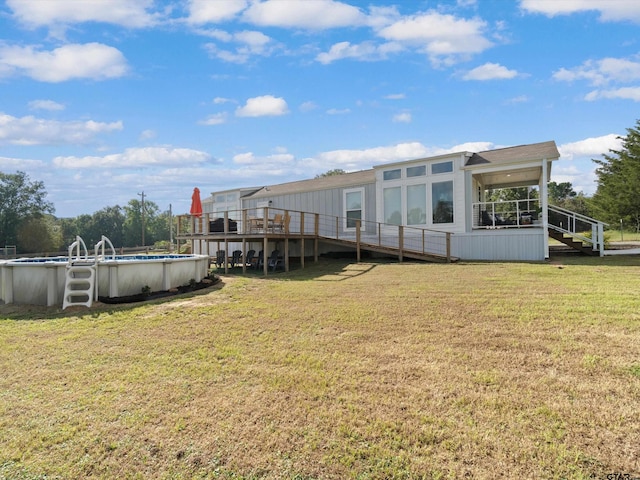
442,167
416,204
393,205
353,207
442,202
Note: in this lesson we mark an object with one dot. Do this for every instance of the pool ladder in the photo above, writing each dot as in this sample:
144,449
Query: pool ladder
80,275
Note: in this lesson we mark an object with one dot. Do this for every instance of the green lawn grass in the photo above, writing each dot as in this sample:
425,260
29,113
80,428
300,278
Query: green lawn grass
361,371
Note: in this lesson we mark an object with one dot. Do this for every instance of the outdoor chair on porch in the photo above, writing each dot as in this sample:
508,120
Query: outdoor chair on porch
259,260
249,258
236,259
221,258
275,260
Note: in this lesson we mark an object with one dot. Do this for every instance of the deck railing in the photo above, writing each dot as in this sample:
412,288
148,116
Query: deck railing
587,230
507,214
275,222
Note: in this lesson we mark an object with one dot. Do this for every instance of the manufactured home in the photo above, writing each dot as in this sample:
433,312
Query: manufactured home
443,207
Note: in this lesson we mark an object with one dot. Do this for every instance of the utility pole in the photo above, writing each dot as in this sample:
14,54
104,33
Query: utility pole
142,211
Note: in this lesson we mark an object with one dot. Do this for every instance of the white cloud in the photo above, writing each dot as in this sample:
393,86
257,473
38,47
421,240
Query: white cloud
490,71
266,105
366,51
308,106
307,14
73,61
576,161
602,72
444,38
626,93
206,11
610,10
7,163
215,119
148,135
249,44
338,111
402,118
45,105
395,96
64,12
35,131
221,100
590,147
136,158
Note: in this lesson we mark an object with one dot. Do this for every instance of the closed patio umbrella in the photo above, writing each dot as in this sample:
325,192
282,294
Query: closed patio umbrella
196,204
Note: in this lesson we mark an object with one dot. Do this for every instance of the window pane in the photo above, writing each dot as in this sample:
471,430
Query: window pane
354,200
442,202
352,216
420,171
392,174
444,167
392,205
416,204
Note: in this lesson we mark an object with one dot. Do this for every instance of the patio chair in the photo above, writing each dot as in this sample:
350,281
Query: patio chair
275,260
221,258
278,223
236,258
250,258
259,260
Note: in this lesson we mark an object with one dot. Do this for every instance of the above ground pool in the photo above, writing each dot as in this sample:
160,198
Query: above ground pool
41,281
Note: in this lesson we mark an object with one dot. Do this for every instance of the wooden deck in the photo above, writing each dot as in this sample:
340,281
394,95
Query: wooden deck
302,227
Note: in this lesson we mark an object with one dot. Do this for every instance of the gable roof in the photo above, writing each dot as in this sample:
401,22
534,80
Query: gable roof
320,183
520,153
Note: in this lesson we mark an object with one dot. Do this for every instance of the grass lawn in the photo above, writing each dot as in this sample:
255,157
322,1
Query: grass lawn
357,371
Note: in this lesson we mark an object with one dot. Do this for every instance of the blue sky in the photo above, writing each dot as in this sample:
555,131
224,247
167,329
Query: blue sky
105,99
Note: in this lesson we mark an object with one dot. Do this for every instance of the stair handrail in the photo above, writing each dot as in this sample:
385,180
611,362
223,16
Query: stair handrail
79,246
597,227
100,249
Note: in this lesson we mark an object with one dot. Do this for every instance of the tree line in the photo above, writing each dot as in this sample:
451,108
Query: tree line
27,220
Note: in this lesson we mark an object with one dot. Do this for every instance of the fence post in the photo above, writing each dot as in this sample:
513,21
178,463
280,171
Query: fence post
400,242
358,222
448,247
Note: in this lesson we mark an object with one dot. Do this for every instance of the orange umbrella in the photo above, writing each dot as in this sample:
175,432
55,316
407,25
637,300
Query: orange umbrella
196,204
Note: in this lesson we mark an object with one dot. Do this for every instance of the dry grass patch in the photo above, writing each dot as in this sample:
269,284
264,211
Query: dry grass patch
375,370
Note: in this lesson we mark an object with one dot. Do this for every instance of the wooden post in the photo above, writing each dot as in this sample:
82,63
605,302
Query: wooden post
316,242
400,241
358,241
265,254
286,254
448,247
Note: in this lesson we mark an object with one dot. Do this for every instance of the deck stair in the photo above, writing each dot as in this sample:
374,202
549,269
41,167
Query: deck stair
572,243
582,233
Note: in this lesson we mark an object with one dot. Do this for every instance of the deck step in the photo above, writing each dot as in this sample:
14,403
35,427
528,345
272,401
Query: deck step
572,243
79,285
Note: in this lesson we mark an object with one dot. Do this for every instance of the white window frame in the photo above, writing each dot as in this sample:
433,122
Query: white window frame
344,208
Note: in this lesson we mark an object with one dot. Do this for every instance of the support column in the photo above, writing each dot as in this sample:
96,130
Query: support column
52,284
166,274
7,283
544,205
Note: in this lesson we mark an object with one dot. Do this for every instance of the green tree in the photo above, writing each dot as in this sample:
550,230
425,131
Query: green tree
560,192
132,227
39,234
20,200
331,173
618,194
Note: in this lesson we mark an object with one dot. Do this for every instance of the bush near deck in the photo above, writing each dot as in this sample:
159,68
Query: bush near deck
363,371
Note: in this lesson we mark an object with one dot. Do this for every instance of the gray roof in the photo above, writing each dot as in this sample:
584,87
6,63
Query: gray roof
521,153
321,183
